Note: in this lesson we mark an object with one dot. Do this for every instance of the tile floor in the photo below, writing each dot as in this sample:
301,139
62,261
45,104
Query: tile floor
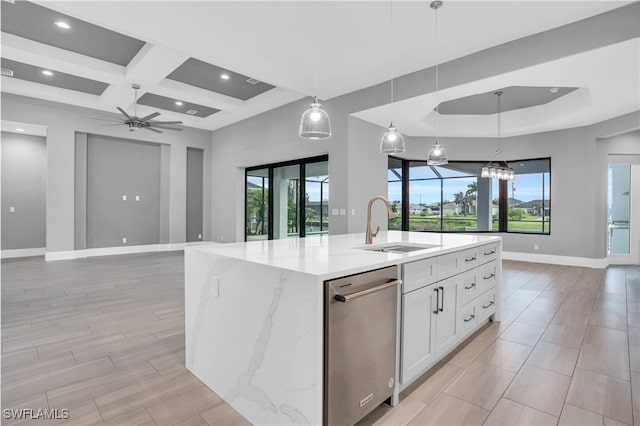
104,338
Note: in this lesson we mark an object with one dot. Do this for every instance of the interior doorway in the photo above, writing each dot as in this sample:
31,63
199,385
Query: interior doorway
623,210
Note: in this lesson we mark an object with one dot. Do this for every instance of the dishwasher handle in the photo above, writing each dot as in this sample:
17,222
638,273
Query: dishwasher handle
349,297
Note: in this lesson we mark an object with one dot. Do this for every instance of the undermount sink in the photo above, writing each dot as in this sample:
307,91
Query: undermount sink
397,247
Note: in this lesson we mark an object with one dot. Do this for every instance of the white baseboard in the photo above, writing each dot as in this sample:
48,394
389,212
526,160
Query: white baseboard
553,259
10,254
110,251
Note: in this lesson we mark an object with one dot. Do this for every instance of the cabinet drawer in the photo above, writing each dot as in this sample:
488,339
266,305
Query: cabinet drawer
418,274
447,265
488,252
486,304
468,259
467,318
487,276
467,287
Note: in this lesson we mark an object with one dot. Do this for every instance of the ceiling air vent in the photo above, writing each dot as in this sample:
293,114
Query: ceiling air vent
253,81
192,112
7,72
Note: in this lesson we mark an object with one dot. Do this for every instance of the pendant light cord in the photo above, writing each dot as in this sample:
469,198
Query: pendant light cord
391,50
499,151
135,102
437,79
315,65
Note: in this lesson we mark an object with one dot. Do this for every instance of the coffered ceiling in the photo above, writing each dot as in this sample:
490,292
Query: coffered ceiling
179,51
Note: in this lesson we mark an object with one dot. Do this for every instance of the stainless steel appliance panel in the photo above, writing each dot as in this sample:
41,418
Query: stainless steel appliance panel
360,344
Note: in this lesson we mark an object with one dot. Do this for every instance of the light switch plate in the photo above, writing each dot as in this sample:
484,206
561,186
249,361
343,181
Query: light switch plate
343,212
124,198
137,198
124,240
215,286
335,212
12,209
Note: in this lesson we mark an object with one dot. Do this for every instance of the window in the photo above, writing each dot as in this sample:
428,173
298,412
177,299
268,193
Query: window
453,198
276,197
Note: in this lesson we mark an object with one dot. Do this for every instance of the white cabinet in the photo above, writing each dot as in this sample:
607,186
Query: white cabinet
418,332
445,316
445,299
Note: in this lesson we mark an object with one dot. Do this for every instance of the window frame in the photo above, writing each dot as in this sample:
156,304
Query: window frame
503,198
301,191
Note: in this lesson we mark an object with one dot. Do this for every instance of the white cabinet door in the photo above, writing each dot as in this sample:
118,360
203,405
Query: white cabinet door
446,327
418,332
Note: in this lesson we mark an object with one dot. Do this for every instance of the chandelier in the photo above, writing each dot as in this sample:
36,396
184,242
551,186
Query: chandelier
498,169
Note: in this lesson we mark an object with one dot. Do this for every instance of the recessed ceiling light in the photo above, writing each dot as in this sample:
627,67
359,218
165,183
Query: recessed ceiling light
19,130
521,164
63,25
554,89
225,76
179,103
47,72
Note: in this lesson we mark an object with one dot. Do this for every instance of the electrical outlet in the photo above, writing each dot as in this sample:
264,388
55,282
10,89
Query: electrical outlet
353,212
124,240
221,237
124,198
12,209
199,236
535,247
137,198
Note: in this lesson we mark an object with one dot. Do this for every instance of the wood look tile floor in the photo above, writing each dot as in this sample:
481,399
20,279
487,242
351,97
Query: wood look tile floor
104,338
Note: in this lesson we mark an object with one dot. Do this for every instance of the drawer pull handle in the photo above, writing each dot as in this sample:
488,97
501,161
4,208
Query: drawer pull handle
489,305
470,287
437,300
471,259
488,277
470,318
489,253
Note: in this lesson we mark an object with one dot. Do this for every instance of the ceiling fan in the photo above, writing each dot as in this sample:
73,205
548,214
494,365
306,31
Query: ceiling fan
136,123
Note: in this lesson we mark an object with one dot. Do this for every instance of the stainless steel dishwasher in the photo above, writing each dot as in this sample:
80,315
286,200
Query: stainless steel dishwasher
359,344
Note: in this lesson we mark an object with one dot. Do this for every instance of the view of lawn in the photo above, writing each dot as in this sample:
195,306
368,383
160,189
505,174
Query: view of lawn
461,223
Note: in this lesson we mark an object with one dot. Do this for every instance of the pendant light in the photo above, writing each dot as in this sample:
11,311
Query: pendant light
437,155
392,141
500,169
315,122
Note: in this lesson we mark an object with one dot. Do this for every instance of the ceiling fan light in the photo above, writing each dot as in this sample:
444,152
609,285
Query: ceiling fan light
315,122
437,155
392,141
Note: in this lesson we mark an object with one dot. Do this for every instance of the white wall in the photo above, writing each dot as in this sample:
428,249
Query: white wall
62,122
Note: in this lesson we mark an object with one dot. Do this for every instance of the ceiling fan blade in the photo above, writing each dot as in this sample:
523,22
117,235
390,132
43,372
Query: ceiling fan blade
112,124
165,128
124,113
152,129
153,123
150,116
111,120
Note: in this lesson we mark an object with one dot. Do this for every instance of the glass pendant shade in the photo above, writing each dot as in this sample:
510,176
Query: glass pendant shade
437,155
392,141
315,122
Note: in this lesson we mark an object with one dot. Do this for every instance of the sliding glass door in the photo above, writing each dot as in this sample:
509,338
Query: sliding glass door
287,200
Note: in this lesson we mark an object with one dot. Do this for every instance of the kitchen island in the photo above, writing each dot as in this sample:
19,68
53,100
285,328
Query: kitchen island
254,312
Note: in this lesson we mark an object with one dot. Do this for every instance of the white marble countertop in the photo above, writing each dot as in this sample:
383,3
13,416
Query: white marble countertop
331,256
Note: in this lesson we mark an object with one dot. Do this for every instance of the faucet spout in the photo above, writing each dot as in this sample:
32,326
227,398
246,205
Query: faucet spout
370,234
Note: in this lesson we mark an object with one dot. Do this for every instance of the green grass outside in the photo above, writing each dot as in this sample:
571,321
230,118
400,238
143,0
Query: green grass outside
463,223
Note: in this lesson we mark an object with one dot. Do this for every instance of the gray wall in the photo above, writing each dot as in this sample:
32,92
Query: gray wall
117,168
63,122
272,136
195,183
24,170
